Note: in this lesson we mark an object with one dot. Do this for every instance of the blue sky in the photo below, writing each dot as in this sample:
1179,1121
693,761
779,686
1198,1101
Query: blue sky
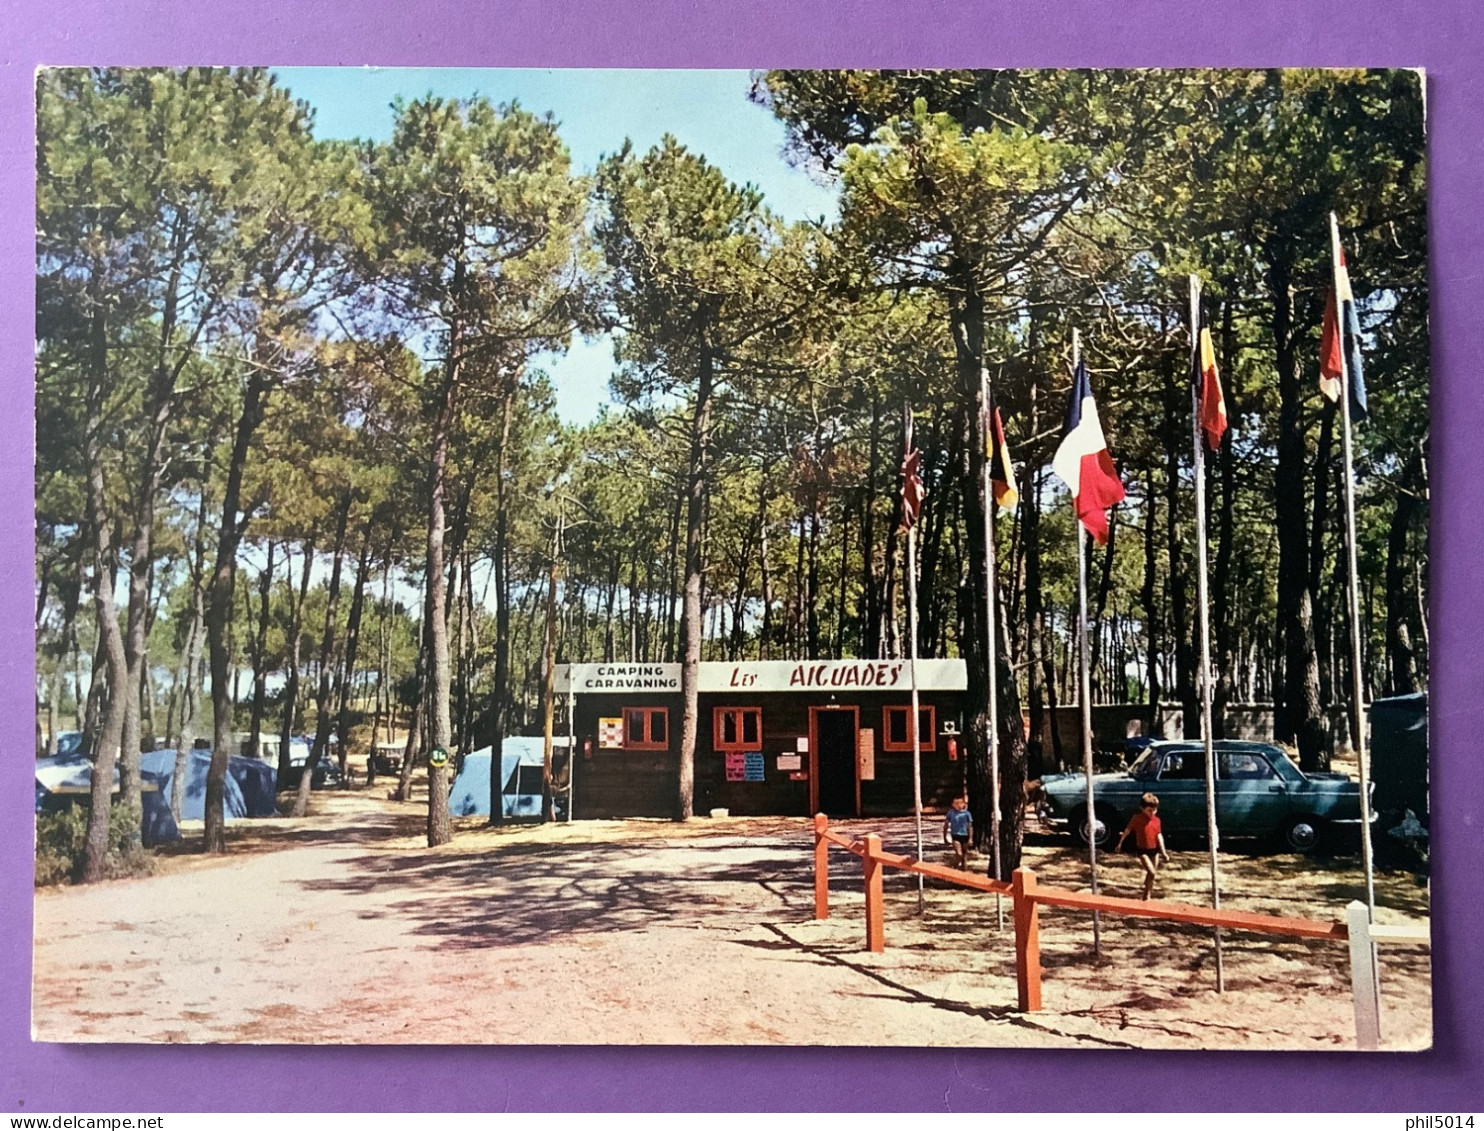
707,111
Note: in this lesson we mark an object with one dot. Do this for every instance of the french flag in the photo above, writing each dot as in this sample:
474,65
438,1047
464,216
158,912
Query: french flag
1082,461
1341,321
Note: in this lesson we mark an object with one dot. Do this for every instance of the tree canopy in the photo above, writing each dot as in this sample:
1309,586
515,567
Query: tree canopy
290,404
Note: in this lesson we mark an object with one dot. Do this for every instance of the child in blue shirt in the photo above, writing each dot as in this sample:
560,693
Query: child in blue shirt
958,824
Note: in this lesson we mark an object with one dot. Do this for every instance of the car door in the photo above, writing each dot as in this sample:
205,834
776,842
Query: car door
1181,790
1250,796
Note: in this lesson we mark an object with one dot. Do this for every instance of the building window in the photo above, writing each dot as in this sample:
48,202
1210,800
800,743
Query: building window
896,728
737,728
646,728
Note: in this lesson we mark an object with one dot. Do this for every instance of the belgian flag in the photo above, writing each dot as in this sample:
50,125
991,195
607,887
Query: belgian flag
1002,471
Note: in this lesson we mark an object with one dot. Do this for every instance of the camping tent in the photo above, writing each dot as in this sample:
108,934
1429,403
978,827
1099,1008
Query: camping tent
66,780
521,761
249,787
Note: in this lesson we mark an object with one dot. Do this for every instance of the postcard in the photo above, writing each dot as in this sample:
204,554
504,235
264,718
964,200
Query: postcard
942,556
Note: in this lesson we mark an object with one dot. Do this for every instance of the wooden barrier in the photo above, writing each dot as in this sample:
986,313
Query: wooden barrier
821,866
1028,897
1027,940
1365,973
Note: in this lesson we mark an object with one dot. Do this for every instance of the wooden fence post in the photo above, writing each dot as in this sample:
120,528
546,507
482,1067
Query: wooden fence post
821,867
1364,983
875,932
1027,940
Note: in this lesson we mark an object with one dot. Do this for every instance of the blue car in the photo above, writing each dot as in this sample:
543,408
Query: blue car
1260,792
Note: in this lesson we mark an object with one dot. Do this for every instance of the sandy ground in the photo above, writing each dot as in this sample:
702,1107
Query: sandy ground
343,927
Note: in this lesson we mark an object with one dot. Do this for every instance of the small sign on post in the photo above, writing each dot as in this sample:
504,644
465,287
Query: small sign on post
438,757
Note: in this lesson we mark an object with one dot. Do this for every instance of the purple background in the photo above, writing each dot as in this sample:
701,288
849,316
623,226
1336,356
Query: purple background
1441,35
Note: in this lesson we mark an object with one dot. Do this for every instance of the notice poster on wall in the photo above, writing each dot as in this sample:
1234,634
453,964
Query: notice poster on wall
788,762
610,734
865,753
752,769
736,767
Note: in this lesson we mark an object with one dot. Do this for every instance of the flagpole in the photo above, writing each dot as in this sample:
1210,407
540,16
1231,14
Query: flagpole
990,657
1085,695
1357,683
912,672
571,744
1204,602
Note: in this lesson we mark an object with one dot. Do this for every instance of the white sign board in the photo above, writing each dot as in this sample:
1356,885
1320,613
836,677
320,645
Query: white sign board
833,675
766,675
585,679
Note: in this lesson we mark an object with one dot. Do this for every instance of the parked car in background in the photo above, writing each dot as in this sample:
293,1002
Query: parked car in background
326,771
387,757
1260,792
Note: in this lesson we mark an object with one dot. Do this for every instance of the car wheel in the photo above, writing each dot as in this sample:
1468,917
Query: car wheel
1302,833
1103,826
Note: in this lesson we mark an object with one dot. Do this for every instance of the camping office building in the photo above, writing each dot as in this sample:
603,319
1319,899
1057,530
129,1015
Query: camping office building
774,737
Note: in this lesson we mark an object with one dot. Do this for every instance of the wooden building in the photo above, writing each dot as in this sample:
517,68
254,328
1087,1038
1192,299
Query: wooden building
775,737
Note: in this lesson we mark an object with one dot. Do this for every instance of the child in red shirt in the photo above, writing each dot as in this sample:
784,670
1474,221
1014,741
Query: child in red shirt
1149,839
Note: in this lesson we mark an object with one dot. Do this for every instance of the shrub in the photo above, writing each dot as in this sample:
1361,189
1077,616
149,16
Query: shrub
61,844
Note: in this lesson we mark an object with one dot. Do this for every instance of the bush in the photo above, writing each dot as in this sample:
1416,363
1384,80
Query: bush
61,845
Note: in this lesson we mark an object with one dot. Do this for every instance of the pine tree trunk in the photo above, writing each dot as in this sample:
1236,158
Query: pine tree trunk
260,657
415,722
1225,628
352,646
499,709
1037,678
1175,438
672,575
295,644
870,602
159,408
765,579
219,613
548,680
695,503
1149,598
440,824
194,673
1400,649
110,638
981,648
1299,715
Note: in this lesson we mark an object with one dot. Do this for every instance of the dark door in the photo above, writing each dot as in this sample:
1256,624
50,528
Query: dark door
835,735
